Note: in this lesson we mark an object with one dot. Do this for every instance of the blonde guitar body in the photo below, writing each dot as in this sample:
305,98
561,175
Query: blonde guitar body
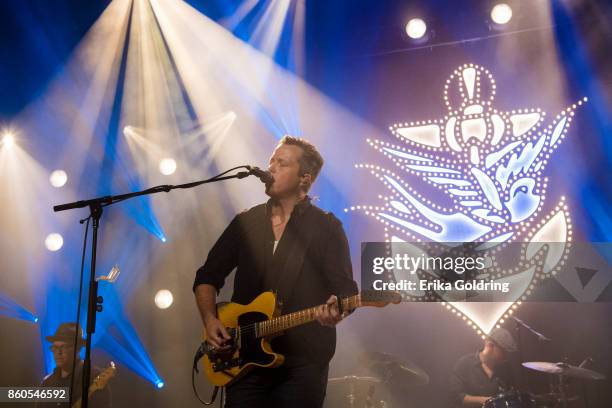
252,351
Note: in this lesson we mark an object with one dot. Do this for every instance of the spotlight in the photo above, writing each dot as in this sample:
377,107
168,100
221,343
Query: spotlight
128,131
163,299
159,384
8,139
416,28
167,166
36,320
54,242
58,178
501,14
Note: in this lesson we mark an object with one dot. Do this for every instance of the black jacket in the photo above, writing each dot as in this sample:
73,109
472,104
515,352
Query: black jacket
325,269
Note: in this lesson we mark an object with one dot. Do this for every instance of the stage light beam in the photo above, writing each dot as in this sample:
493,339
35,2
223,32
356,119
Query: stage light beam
10,308
501,14
416,28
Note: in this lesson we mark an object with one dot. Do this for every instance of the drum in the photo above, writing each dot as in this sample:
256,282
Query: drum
511,399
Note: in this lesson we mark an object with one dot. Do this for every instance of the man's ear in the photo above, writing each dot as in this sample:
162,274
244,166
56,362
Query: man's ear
306,180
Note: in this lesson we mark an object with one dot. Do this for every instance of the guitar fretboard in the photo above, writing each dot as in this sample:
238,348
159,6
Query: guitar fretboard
281,323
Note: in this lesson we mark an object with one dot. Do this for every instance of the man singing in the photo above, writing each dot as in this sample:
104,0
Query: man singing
291,246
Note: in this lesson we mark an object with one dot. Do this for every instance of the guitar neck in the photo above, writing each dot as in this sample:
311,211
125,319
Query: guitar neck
98,383
77,404
281,323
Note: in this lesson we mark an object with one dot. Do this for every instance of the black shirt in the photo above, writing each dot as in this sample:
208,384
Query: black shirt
99,399
324,269
468,378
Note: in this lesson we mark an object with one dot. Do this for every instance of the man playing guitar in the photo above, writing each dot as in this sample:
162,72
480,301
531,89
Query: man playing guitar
63,348
292,247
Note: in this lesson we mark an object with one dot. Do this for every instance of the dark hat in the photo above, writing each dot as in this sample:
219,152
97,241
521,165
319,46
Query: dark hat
503,339
66,333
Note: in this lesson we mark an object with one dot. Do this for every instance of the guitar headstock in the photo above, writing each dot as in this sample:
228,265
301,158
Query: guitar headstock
103,378
379,298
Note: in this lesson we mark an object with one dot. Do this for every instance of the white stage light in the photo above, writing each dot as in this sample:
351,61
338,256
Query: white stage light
167,166
163,299
54,242
58,178
416,28
501,14
8,139
128,131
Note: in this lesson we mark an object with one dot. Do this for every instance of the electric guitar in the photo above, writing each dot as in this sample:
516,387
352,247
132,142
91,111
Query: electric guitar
99,382
252,326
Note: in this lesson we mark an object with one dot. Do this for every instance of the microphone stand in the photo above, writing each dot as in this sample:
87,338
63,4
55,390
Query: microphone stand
95,207
539,335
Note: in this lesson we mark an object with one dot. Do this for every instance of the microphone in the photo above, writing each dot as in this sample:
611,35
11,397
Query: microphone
264,176
585,361
539,335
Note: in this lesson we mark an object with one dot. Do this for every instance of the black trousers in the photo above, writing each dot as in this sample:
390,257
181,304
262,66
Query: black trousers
294,386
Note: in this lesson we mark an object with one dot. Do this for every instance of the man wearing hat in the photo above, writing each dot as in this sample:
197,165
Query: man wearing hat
479,376
62,346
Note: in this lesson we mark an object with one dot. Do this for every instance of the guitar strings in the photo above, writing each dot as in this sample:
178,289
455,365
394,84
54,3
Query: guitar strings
251,327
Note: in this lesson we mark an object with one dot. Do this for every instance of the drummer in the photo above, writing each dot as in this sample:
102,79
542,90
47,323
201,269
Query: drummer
478,376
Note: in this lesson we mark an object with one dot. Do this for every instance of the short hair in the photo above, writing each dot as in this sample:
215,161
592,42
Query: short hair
311,161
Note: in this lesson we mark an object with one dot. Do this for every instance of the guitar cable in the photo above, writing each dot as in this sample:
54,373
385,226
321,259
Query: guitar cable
198,355
78,311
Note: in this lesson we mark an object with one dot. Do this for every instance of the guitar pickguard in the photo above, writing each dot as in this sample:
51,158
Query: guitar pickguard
249,348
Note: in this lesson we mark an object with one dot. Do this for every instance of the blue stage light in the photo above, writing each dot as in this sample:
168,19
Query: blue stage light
10,308
580,71
116,335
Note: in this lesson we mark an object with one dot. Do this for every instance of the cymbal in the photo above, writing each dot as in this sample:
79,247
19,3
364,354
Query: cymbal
354,379
391,368
564,369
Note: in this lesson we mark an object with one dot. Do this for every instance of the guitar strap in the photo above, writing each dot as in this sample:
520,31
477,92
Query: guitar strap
300,238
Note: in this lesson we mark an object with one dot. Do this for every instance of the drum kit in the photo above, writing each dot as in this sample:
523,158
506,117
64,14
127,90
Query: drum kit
390,371
557,397
387,370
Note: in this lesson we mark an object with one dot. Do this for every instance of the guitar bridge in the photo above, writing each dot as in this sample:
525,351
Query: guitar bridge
221,365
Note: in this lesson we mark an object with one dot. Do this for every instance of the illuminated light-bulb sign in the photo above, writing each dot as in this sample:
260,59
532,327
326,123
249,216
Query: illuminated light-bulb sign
486,169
